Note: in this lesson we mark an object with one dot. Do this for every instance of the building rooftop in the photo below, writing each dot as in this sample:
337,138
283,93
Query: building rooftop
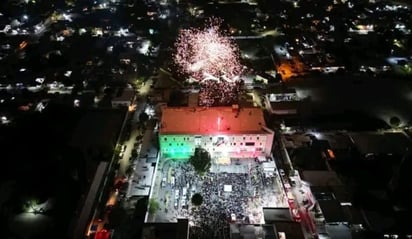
321,178
214,120
339,231
126,94
381,142
332,211
272,215
177,230
337,141
97,129
289,230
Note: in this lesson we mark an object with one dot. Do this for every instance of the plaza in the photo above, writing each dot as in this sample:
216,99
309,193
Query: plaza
234,193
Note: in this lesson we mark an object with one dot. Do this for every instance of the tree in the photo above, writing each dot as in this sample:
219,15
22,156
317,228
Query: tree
153,206
197,199
201,160
395,121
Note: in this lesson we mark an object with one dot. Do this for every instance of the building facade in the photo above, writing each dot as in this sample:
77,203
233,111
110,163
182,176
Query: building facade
125,98
225,132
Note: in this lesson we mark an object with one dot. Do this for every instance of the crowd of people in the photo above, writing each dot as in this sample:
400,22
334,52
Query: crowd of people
240,204
241,201
213,215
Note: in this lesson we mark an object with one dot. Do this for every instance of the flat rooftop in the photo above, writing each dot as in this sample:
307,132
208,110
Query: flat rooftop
321,178
332,211
98,128
213,120
381,142
126,94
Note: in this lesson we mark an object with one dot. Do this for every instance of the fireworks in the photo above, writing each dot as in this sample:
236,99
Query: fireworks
215,93
211,59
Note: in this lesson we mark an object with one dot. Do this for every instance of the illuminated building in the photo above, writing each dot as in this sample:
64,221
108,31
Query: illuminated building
225,132
282,102
124,98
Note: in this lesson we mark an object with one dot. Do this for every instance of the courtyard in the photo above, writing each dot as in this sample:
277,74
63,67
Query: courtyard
235,192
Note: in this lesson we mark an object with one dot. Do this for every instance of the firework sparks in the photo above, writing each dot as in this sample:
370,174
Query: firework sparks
206,52
211,59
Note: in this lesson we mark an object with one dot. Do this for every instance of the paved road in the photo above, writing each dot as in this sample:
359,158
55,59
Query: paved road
124,161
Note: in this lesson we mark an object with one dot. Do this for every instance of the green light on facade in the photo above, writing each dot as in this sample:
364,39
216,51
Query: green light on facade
176,152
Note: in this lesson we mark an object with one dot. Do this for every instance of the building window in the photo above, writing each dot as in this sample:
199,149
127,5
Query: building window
234,144
181,144
165,139
257,138
241,143
170,144
244,138
210,138
250,143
